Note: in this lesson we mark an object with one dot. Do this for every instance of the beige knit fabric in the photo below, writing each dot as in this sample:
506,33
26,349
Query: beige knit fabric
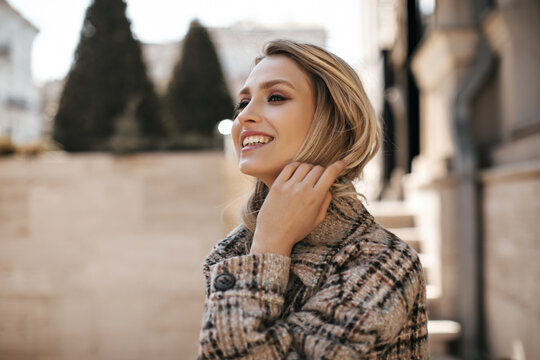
350,290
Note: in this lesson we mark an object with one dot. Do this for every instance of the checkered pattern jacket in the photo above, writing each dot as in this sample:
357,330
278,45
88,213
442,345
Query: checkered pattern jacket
350,290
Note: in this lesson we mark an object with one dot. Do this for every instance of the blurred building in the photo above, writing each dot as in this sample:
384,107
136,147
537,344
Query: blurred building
237,46
462,151
19,100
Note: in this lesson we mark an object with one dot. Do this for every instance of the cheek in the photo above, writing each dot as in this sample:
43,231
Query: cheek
235,132
301,127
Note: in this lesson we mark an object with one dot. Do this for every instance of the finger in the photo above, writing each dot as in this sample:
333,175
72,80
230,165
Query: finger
301,172
313,176
287,172
330,175
324,207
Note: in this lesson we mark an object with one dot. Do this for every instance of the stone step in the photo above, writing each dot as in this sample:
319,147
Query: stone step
433,292
410,236
440,334
428,261
392,214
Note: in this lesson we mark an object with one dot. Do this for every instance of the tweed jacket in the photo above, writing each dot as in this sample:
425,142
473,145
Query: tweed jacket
349,290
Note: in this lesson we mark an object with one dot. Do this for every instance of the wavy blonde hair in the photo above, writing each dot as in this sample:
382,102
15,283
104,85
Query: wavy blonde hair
344,123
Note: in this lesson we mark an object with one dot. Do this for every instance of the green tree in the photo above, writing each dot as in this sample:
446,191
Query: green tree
107,75
197,96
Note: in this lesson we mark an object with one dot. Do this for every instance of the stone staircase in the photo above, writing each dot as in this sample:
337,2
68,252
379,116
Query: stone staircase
397,217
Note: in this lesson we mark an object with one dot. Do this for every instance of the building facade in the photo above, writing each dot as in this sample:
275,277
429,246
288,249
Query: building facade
472,73
20,118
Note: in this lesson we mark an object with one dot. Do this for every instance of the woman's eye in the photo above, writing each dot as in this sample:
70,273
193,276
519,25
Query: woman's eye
239,107
275,97
242,104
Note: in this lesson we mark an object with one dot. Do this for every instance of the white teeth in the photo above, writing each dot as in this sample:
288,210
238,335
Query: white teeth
257,139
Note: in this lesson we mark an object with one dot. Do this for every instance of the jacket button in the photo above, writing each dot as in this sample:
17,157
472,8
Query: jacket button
224,281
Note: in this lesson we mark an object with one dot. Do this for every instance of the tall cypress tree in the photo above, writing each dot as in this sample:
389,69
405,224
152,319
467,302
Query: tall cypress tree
197,96
107,75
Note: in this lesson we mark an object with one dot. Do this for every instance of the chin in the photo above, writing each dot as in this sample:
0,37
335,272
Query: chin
247,168
257,171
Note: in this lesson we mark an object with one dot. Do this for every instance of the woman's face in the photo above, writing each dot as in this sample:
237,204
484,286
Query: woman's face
276,108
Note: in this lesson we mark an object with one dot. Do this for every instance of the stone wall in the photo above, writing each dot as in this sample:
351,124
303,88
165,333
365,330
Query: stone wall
511,252
100,256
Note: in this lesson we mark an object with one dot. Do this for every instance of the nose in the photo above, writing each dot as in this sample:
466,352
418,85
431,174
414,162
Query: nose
249,114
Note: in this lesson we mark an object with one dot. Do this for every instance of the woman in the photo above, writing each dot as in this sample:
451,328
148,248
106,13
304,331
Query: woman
309,275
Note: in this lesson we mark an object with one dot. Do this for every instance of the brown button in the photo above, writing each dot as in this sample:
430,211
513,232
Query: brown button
224,281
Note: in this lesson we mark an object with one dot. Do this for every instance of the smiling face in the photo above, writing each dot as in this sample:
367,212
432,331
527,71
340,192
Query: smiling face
276,108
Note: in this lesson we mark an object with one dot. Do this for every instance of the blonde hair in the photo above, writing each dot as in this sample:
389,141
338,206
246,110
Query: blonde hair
344,124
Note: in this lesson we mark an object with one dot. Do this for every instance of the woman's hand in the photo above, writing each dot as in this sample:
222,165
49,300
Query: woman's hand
295,205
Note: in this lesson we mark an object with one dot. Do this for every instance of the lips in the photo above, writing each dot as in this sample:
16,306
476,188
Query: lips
250,139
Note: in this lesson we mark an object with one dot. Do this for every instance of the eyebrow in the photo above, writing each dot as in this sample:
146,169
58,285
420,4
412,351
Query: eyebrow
268,84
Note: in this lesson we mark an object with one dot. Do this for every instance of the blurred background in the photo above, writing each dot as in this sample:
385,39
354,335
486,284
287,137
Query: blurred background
117,174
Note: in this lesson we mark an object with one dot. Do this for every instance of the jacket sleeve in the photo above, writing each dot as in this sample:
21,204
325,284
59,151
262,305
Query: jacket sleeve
355,314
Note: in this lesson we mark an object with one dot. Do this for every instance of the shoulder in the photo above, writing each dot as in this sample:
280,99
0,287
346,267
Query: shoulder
379,240
382,256
367,245
368,239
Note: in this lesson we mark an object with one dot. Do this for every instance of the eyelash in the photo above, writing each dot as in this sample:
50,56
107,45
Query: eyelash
242,104
272,98
277,97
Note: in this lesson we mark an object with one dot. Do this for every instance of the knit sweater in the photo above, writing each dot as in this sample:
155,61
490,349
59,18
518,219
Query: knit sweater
349,290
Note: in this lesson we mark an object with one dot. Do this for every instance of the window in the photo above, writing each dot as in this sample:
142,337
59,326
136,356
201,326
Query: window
5,52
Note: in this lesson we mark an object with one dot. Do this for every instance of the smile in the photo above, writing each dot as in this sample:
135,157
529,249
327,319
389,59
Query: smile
255,140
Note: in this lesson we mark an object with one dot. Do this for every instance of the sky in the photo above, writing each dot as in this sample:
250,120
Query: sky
157,21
